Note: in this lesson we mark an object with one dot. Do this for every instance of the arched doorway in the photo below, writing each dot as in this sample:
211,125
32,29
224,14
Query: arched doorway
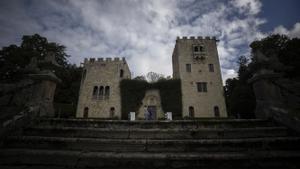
152,104
112,112
217,111
86,112
191,112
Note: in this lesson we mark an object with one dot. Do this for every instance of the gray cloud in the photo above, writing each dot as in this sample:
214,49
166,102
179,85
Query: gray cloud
142,31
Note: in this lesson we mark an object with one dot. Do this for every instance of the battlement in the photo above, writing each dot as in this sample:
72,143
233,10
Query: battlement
104,60
196,38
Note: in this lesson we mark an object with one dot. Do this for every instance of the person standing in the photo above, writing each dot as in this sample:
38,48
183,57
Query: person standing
146,113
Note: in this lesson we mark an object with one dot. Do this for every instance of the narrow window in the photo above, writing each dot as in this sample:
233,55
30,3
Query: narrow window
107,91
191,111
217,111
121,73
86,112
112,112
211,67
201,48
101,92
202,87
204,84
188,67
95,92
196,48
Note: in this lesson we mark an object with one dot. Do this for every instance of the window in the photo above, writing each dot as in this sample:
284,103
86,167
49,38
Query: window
112,112
101,91
188,67
85,112
211,67
121,73
202,86
95,91
201,48
217,111
107,92
191,111
196,48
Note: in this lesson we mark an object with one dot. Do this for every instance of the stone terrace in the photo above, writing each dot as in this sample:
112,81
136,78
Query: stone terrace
208,143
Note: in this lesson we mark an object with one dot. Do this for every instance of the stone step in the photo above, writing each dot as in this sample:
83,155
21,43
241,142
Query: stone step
85,159
156,133
183,124
145,145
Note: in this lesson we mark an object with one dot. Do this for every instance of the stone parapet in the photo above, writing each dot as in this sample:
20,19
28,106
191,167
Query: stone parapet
103,60
196,38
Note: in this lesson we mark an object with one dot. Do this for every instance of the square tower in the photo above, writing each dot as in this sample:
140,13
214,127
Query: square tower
196,62
99,94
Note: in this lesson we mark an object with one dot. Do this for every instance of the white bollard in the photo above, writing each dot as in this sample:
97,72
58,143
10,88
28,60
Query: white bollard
169,115
132,116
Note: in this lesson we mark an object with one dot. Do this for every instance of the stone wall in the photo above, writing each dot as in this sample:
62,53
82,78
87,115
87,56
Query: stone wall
102,72
202,102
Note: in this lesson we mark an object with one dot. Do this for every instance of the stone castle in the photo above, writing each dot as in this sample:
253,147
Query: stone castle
195,62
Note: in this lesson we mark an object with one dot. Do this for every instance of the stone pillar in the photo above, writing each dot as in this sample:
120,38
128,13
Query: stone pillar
43,93
267,94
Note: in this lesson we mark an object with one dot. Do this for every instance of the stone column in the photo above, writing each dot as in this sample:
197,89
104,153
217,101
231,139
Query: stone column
44,91
267,93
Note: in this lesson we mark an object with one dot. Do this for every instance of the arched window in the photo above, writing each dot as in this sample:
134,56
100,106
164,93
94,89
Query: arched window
217,111
107,91
86,112
121,73
211,67
201,48
112,112
95,92
191,111
101,92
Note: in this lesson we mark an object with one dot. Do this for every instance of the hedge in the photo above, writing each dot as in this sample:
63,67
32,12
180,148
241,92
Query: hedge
133,91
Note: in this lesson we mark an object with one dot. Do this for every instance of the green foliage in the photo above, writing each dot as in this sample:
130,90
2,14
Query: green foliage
242,101
133,91
140,78
68,90
239,94
13,59
286,50
170,93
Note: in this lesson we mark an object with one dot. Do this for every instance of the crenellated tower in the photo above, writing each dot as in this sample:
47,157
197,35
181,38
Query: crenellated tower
99,95
196,63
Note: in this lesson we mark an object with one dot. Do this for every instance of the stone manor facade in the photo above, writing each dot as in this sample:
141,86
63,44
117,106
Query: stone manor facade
195,61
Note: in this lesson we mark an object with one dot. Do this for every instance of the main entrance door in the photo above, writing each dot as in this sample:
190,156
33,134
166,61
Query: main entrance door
152,112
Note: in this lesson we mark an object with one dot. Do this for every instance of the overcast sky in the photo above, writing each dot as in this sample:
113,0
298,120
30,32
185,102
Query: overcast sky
144,31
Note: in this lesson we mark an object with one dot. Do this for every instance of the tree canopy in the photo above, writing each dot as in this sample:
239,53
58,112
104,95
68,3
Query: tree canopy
239,94
13,58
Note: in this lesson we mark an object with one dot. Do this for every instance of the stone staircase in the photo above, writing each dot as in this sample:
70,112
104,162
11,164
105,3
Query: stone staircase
207,143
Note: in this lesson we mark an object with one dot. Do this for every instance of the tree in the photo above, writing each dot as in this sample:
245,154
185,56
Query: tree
240,100
280,50
286,50
142,78
154,77
13,59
